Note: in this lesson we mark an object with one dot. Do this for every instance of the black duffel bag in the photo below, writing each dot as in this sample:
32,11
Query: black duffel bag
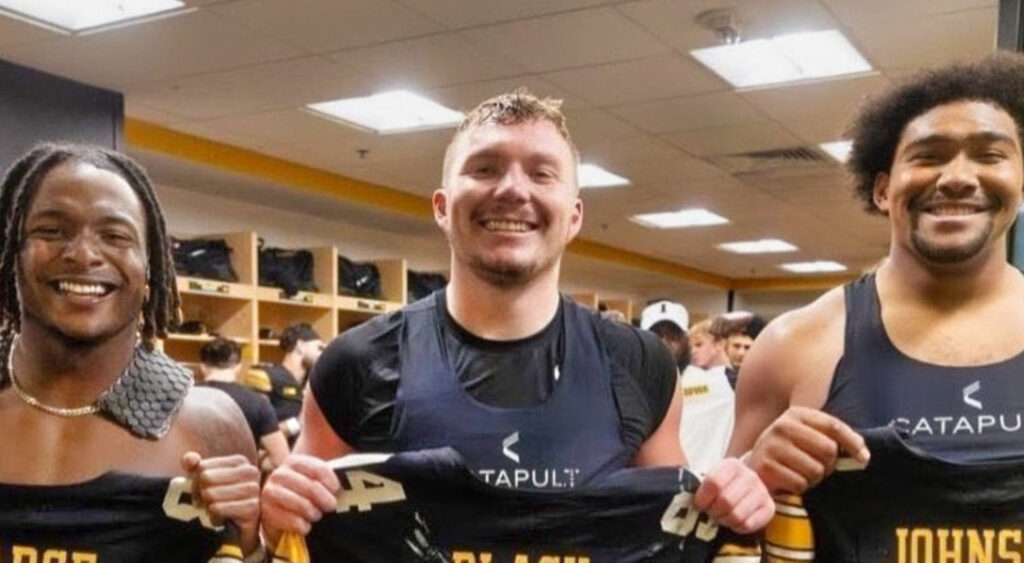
361,279
422,284
291,270
208,258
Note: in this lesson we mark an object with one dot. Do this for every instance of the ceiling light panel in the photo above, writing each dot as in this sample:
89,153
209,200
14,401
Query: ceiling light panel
397,111
593,176
817,266
839,150
785,58
76,16
679,219
762,246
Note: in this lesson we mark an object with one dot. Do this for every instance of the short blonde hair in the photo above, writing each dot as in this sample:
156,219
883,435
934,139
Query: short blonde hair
512,108
702,328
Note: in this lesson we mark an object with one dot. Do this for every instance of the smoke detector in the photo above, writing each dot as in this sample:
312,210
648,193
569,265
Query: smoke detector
723,22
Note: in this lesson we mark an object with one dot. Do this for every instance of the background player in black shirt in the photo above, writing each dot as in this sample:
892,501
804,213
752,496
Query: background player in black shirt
86,284
221,362
936,334
529,387
283,383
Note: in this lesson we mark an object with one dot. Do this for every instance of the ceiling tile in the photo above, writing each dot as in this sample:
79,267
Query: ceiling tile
136,110
673,21
326,25
674,171
284,84
907,43
572,39
840,96
755,135
16,32
690,113
861,13
193,43
465,97
286,127
617,152
820,128
465,13
592,126
428,62
666,76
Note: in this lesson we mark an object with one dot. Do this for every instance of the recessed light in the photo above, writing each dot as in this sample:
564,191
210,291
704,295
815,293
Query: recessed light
839,150
679,219
816,266
396,111
784,58
762,246
593,176
80,16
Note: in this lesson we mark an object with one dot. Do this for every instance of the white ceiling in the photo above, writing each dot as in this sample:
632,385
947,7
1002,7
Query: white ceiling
239,72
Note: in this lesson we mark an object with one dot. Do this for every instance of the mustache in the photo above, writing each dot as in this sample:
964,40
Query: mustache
926,201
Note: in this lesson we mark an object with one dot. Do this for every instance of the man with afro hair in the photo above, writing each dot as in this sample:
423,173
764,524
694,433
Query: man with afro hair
929,344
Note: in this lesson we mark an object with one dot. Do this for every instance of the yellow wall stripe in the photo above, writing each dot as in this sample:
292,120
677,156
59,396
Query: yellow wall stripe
157,138
197,149
596,250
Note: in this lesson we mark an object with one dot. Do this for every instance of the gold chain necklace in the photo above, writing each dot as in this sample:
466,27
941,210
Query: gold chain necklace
36,403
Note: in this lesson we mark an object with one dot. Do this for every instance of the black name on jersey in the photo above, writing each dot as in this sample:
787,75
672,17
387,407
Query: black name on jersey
960,545
28,554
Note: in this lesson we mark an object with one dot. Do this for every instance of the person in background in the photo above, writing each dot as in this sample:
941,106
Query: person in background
283,383
220,365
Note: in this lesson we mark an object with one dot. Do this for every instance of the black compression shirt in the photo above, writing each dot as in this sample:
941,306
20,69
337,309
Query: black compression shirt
356,378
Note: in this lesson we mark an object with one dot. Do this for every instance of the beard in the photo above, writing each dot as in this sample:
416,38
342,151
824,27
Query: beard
505,274
944,254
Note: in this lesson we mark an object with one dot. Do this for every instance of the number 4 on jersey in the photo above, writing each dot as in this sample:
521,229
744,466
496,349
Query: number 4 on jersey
366,489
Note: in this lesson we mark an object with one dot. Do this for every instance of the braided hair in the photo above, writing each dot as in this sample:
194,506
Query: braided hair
19,186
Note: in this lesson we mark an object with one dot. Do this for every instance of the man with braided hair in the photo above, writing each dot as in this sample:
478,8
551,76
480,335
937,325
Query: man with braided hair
109,453
533,390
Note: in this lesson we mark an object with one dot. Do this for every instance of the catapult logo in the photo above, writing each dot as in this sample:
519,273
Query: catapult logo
523,475
964,423
969,391
509,441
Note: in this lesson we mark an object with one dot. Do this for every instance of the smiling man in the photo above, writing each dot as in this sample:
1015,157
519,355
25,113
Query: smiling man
100,429
533,390
931,344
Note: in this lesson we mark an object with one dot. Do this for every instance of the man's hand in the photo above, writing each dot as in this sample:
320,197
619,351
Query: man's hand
228,487
800,448
297,494
733,496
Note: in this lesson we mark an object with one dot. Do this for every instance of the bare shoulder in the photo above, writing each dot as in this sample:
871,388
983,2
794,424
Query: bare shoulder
217,423
810,323
799,350
791,363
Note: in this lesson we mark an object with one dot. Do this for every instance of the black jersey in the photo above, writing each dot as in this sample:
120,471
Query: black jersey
427,506
356,380
259,415
907,506
115,518
967,413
